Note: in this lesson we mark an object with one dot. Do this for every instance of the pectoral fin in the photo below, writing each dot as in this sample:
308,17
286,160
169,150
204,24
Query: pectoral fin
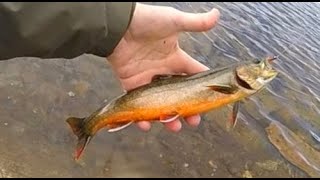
233,120
164,119
225,89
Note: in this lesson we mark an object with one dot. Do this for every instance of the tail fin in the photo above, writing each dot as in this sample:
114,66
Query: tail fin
76,125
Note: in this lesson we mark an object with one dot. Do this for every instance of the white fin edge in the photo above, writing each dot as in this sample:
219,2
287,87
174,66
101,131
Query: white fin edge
120,127
169,120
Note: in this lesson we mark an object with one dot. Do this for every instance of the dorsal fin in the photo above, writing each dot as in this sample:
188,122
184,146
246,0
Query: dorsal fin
165,76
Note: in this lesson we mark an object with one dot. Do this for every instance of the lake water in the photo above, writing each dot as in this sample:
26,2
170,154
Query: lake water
276,136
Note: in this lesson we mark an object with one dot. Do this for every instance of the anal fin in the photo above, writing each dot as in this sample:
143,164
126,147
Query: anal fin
234,116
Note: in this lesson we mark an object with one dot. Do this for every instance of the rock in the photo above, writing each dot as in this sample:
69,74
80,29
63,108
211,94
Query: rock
71,94
233,170
35,110
186,165
247,174
212,164
268,165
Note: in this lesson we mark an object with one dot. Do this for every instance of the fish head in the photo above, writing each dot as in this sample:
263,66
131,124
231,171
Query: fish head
255,76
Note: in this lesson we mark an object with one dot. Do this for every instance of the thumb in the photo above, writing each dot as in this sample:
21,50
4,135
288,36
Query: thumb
196,22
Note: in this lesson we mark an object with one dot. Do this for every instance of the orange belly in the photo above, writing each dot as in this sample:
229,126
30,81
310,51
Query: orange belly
184,109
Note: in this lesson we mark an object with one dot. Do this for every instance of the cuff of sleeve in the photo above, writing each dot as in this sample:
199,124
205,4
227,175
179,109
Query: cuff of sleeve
118,17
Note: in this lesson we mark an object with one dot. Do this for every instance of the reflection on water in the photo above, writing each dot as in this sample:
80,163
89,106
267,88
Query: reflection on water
38,95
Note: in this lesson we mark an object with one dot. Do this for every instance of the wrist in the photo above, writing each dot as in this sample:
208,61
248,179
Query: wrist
118,18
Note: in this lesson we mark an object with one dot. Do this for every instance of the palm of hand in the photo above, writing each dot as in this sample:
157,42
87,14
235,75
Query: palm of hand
150,47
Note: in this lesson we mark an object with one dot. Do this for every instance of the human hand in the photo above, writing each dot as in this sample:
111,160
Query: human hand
150,47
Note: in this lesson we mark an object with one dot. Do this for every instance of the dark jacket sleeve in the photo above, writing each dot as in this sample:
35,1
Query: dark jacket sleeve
62,29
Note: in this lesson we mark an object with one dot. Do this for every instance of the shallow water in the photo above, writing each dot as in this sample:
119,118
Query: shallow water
38,95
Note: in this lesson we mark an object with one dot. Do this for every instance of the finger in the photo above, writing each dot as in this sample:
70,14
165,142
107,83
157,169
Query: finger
186,64
144,125
196,22
173,126
193,120
142,78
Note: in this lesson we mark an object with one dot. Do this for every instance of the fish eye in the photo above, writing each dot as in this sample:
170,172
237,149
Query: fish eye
256,61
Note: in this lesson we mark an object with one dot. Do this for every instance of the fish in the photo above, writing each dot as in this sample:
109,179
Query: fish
168,97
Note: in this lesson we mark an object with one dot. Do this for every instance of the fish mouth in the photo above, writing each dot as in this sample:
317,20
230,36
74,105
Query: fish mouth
255,76
255,82
273,74
270,76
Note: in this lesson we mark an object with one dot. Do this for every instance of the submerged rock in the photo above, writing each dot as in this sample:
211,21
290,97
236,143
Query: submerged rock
294,149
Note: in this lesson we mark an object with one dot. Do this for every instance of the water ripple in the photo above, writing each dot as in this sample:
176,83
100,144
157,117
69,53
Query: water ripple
251,30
